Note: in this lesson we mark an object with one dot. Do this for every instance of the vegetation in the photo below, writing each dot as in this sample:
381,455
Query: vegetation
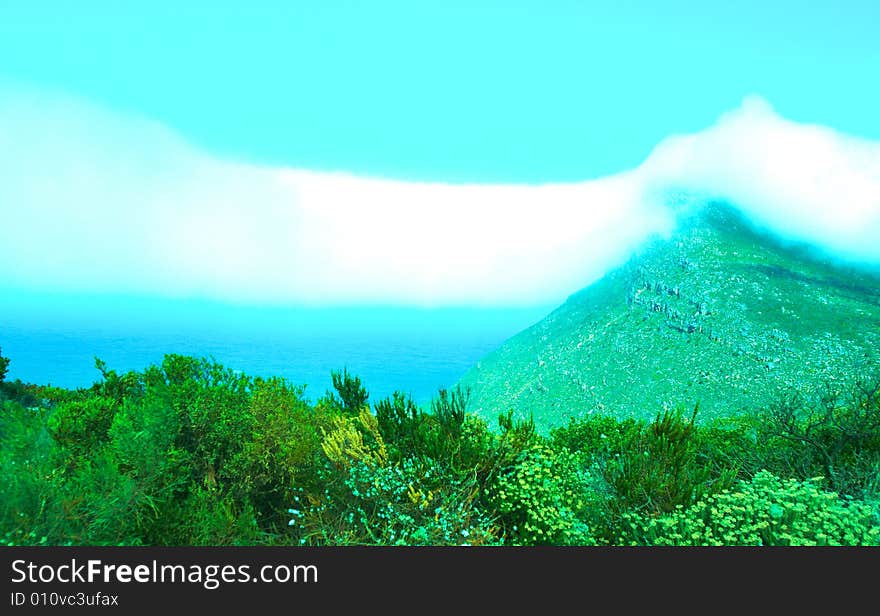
188,452
764,511
4,366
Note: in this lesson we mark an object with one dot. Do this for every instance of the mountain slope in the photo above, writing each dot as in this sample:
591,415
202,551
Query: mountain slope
719,314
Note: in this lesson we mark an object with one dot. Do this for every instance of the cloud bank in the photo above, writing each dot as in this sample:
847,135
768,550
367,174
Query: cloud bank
96,201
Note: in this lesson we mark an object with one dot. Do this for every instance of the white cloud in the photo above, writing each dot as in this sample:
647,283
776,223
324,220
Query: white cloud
99,201
805,182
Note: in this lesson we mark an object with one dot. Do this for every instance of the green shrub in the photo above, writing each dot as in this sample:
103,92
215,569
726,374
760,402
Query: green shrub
210,518
120,387
350,397
448,434
764,511
281,452
837,437
450,408
98,505
597,436
144,445
411,503
518,434
401,423
25,466
660,467
82,425
4,366
728,446
538,499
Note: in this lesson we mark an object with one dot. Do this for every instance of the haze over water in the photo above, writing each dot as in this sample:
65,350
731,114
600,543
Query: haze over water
411,350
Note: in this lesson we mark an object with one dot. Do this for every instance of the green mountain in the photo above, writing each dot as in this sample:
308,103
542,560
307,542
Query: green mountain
721,313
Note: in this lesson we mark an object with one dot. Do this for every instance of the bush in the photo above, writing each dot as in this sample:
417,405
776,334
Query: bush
352,395
539,498
660,467
280,454
211,518
764,511
25,467
597,436
401,423
4,366
82,425
354,440
99,505
837,437
448,434
450,408
411,503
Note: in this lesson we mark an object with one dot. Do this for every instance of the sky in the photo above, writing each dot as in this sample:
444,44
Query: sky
431,154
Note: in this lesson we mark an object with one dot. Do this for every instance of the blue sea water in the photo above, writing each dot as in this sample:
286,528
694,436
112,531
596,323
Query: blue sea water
410,350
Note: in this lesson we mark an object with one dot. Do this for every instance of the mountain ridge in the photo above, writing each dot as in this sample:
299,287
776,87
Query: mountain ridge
720,313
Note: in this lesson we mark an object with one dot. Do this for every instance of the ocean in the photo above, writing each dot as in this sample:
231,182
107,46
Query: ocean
410,350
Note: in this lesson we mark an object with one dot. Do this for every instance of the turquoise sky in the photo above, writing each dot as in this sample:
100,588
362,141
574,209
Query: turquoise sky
457,91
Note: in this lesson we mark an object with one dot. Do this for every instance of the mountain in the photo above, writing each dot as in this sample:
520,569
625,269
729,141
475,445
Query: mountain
720,313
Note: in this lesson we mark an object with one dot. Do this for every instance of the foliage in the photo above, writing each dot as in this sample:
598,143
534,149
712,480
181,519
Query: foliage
517,433
187,452
344,443
410,503
539,497
351,396
765,511
4,366
82,425
659,467
450,408
597,436
837,437
283,451
401,423
24,467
